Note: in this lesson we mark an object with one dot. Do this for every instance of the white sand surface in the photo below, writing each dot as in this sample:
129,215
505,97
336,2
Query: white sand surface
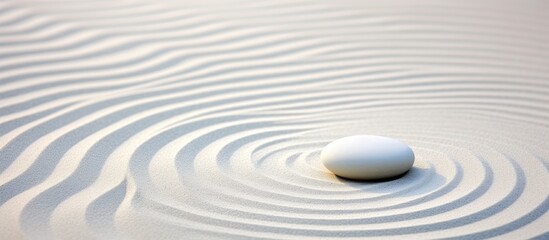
155,119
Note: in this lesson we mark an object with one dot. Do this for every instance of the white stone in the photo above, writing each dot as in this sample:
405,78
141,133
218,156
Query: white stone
367,157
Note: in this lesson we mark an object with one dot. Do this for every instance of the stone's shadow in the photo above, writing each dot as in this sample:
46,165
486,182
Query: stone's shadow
413,182
344,179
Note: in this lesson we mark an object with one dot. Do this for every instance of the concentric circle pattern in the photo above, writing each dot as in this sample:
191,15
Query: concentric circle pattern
205,119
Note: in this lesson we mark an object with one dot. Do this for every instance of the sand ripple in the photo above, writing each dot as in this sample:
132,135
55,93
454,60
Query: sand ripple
171,120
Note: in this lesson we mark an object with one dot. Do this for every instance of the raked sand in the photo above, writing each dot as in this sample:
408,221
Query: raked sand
205,119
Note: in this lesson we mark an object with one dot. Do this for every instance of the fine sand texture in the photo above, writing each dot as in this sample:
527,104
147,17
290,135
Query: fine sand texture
153,119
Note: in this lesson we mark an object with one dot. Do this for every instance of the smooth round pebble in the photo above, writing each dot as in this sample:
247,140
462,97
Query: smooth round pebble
367,157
